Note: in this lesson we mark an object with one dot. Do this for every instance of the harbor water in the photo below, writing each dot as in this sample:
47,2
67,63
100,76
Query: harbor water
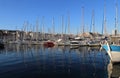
37,61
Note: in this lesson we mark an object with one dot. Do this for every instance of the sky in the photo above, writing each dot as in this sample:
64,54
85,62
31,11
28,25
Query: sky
14,13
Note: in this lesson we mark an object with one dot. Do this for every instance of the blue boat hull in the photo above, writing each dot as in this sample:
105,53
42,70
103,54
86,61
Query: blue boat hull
112,47
113,51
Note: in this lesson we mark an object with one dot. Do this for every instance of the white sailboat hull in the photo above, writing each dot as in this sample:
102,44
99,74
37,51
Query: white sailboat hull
115,56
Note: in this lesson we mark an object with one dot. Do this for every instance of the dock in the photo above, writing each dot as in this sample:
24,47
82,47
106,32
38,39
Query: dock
81,45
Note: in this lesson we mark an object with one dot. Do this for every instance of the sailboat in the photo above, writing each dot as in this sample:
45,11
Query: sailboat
50,43
113,49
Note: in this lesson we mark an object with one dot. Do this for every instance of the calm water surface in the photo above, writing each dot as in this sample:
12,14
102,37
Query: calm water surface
36,61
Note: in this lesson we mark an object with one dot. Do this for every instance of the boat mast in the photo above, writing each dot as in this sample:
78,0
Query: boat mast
82,19
24,31
53,25
31,31
62,25
43,28
105,32
92,28
37,25
68,23
116,18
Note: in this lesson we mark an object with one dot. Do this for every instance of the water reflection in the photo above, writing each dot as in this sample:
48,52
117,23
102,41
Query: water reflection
116,71
36,61
113,70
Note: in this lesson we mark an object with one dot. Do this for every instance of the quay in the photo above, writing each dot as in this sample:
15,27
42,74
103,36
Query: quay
84,45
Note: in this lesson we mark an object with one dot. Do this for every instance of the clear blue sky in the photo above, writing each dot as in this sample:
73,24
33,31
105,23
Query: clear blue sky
13,13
